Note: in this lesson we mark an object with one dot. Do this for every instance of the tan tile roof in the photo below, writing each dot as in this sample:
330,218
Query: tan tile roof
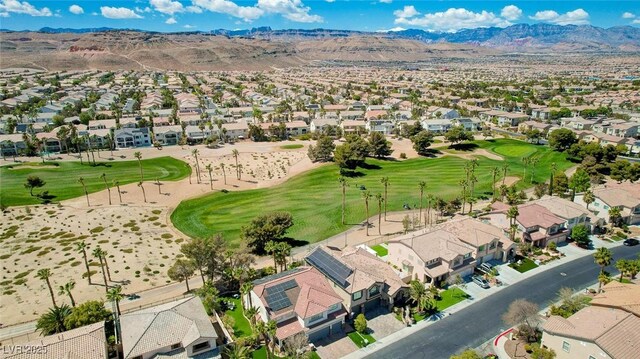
588,324
562,207
624,296
623,340
312,295
182,321
85,342
625,194
530,215
474,232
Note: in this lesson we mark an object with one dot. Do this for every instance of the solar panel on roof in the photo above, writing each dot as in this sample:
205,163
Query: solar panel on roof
276,276
330,266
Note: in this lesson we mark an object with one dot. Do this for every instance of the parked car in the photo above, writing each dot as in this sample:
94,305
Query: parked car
485,267
483,283
631,242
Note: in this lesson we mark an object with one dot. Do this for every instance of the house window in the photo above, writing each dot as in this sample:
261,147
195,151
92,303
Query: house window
566,346
492,245
315,318
374,291
357,295
176,346
481,248
467,255
591,357
201,346
606,207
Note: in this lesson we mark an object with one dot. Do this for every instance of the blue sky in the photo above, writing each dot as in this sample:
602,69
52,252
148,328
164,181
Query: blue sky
371,15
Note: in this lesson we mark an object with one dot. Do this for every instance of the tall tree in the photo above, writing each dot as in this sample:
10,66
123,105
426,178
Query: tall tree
505,169
464,185
494,173
235,156
554,169
34,182
603,257
210,169
97,253
421,187
366,195
115,295
138,156
195,153
534,162
343,184
104,179
84,187
117,184
81,247
224,174
44,274
53,321
144,194
271,247
385,183
66,290
380,200
588,198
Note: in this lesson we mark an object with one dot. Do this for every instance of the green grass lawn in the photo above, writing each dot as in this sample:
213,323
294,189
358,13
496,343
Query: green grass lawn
358,339
526,265
292,146
261,353
380,250
242,327
314,197
448,298
62,177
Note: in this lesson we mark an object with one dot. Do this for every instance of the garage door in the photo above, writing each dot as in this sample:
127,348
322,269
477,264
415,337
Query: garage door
488,257
321,333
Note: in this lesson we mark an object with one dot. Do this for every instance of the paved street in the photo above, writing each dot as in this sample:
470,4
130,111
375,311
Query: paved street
481,321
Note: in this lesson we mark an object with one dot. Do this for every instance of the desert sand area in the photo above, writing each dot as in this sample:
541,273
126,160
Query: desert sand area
138,236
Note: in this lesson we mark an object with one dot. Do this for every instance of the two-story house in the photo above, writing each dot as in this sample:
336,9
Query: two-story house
436,125
364,281
180,329
300,301
132,137
167,135
625,196
572,212
537,224
353,127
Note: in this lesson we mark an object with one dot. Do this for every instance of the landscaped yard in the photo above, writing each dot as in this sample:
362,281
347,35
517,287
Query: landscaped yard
380,250
358,339
292,146
448,298
62,177
526,264
241,327
261,353
314,197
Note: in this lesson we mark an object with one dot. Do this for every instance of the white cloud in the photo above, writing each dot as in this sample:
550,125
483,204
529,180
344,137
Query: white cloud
167,6
406,12
452,20
386,1
75,9
636,21
146,9
247,13
293,10
18,7
394,29
118,13
575,17
171,21
329,0
628,15
511,12
194,9
188,26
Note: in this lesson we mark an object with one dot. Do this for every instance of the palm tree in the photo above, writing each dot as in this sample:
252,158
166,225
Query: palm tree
235,155
97,253
82,247
195,153
385,183
526,161
224,174
84,187
534,162
117,184
271,327
603,279
366,195
245,289
115,295
52,322
554,169
271,247
464,184
144,194
603,257
283,250
380,199
505,169
430,202
615,216
104,178
421,186
44,274
251,313
623,266
66,289
138,155
106,263
237,351
588,198
472,179
418,293
210,169
343,184
159,185
512,214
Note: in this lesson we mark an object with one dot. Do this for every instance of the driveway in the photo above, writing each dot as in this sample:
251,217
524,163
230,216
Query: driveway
381,322
335,346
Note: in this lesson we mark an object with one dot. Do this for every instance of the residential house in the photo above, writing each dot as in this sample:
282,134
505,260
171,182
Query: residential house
511,119
196,135
572,212
456,247
89,341
617,295
132,137
627,129
353,127
319,124
50,142
469,124
364,281
102,124
167,135
236,131
537,224
178,329
382,125
130,106
296,128
300,301
541,113
533,125
593,332
442,113
625,196
437,125
351,115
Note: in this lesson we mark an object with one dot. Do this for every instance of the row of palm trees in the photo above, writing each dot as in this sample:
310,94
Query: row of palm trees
209,168
603,257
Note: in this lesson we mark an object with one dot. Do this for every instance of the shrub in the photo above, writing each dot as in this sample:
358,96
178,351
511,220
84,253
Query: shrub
552,246
360,323
403,156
